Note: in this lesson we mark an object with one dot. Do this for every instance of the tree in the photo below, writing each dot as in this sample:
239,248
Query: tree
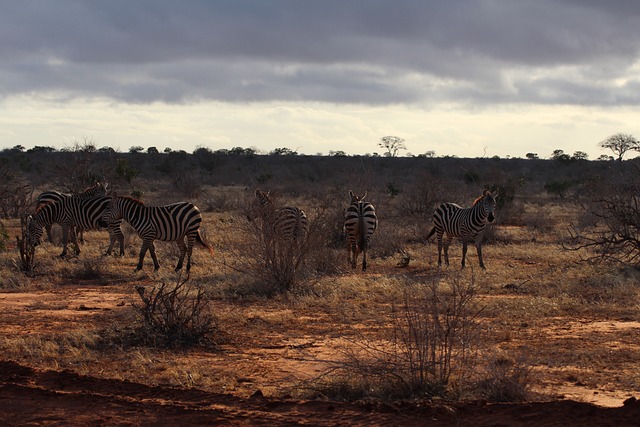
152,150
580,155
620,143
561,156
532,156
283,152
392,144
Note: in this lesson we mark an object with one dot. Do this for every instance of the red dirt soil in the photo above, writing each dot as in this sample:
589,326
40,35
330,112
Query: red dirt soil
38,397
32,396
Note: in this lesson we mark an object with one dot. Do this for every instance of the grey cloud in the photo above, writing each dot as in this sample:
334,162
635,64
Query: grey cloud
334,51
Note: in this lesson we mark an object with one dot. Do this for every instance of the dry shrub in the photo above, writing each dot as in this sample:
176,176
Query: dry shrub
505,379
431,350
174,315
25,247
272,265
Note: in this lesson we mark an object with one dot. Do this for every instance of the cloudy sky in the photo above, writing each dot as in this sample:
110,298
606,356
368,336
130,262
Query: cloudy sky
467,78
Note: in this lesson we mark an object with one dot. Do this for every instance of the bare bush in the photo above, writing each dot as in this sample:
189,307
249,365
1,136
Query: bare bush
506,380
432,349
616,234
174,315
25,246
4,237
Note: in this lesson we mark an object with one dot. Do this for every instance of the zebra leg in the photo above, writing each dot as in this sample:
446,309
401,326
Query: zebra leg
352,255
183,250
145,246
479,248
152,251
48,230
112,241
191,241
439,250
65,236
446,243
74,240
364,259
464,252
121,240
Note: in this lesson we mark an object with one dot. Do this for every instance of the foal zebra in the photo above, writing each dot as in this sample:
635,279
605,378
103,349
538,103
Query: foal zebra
360,223
170,223
465,224
287,226
55,196
74,211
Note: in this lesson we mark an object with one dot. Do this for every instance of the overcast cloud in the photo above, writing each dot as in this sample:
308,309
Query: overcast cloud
475,53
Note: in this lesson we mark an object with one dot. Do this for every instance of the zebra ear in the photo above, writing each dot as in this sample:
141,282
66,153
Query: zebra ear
363,196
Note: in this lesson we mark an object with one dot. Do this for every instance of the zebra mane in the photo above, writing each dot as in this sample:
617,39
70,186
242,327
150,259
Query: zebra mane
131,199
41,207
479,199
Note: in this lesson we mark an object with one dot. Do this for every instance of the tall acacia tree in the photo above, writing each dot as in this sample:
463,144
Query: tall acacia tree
620,144
392,144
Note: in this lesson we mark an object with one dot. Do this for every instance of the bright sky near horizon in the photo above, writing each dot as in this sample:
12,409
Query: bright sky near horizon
469,78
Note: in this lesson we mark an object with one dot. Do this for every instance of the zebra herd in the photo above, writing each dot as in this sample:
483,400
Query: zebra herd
92,209
289,226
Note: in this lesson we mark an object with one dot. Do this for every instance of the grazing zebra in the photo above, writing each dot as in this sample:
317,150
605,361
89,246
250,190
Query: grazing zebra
170,223
360,223
287,226
74,211
55,196
466,224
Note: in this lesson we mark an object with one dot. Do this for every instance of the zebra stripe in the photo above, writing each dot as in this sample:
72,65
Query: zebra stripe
465,224
74,211
56,196
360,223
288,225
170,223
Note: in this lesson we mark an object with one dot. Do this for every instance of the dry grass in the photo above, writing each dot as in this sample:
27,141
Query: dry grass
532,289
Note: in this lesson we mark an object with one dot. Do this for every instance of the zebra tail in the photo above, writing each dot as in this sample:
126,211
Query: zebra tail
203,243
431,233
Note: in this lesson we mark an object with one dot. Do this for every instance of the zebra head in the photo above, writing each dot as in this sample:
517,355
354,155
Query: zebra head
34,231
261,206
356,199
488,203
112,213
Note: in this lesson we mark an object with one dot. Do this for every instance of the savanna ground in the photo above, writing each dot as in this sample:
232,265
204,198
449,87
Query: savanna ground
556,341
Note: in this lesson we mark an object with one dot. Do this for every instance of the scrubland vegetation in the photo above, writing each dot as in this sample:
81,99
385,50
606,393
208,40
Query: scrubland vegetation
562,259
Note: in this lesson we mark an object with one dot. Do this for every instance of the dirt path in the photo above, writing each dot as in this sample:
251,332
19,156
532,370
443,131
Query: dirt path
34,397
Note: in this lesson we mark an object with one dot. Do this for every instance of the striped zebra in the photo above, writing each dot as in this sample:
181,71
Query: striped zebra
55,196
74,211
287,226
465,224
359,224
170,223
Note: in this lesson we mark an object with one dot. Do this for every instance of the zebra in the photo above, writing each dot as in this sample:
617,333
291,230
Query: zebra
169,223
98,189
74,211
359,225
466,224
287,226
